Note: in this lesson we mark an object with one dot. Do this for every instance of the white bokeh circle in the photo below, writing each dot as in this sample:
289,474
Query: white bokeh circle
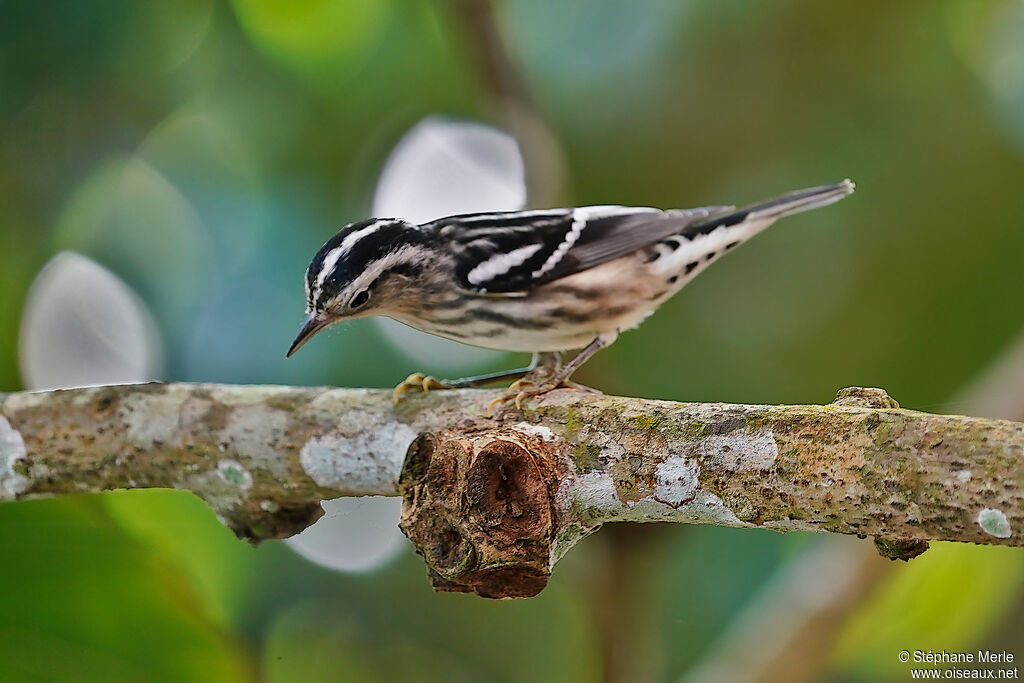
83,326
354,535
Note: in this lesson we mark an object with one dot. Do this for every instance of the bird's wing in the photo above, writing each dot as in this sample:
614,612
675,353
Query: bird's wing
512,252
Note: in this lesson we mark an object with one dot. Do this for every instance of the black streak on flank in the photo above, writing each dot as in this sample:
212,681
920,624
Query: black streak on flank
478,314
711,256
507,320
568,315
457,302
731,245
445,332
674,279
657,295
691,265
575,292
457,334
615,311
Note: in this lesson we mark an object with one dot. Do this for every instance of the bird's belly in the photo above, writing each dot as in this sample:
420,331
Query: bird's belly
561,315
518,339
525,335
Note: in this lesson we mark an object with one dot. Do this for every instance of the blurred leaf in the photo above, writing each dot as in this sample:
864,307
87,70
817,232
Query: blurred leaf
575,51
304,646
129,216
1004,51
197,146
85,603
182,531
20,260
78,48
705,577
167,34
83,326
610,38
317,37
943,600
968,25
395,628
221,144
987,36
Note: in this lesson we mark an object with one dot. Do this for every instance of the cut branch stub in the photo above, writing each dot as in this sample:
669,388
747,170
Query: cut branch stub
478,505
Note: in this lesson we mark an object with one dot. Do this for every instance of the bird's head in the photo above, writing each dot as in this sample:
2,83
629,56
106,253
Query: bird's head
363,270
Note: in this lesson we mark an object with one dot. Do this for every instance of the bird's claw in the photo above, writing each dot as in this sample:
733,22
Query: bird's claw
516,392
568,384
524,388
417,381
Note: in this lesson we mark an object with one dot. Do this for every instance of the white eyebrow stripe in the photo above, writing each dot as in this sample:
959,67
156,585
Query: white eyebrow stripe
500,264
580,217
326,266
334,255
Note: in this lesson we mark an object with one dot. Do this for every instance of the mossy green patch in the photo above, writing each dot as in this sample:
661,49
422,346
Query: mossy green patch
586,457
283,403
217,415
646,423
694,430
573,422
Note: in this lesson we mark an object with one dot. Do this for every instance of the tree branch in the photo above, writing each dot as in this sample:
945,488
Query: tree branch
786,632
263,458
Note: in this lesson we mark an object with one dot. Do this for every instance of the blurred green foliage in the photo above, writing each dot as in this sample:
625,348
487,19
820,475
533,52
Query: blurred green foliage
203,151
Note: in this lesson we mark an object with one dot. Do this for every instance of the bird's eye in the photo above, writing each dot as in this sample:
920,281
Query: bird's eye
359,299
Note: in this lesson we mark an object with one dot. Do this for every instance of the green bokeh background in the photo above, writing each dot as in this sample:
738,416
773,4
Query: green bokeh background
203,150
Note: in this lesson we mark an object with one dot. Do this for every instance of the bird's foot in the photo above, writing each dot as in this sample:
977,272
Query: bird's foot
417,381
525,388
569,384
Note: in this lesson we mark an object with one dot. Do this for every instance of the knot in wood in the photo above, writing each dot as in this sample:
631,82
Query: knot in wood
865,397
478,506
904,549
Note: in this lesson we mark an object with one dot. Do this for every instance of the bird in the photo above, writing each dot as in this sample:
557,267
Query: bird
545,281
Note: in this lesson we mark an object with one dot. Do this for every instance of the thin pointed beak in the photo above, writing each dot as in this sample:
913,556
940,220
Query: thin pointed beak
312,325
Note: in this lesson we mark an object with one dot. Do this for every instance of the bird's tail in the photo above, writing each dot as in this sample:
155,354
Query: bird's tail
801,200
765,213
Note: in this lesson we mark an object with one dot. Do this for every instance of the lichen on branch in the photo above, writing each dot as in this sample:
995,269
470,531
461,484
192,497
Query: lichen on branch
263,458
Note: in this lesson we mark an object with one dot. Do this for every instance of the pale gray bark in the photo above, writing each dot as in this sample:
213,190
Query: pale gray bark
263,457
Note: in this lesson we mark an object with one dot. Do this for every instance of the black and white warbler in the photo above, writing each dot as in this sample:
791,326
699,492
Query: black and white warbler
544,281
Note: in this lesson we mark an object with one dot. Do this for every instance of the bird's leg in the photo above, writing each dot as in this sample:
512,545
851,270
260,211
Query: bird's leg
420,382
533,385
